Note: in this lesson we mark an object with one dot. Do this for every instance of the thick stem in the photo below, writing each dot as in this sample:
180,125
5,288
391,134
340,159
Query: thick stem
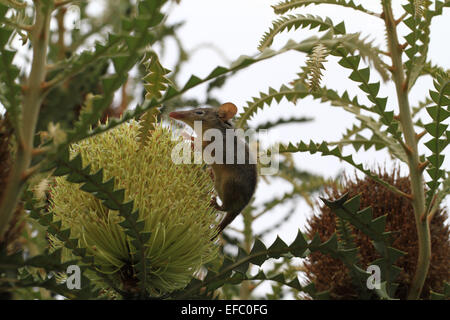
30,111
245,289
61,30
415,173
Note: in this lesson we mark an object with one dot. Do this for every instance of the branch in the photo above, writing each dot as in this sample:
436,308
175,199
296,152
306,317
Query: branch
16,25
415,173
30,111
64,2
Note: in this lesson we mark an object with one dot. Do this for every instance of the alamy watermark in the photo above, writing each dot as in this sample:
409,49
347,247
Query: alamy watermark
73,280
214,146
374,280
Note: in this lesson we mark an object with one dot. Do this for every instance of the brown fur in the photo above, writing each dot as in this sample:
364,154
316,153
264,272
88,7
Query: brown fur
234,183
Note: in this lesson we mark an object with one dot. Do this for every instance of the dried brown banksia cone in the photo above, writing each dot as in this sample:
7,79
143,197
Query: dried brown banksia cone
331,274
16,224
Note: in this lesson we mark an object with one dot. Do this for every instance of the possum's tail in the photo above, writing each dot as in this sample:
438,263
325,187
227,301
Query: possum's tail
229,217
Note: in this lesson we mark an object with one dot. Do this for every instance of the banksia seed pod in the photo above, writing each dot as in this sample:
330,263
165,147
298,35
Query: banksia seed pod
173,201
17,223
331,274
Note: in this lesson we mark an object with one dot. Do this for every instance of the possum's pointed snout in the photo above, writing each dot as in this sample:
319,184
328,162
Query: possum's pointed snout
177,115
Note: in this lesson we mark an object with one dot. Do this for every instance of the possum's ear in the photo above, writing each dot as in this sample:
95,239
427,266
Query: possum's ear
227,111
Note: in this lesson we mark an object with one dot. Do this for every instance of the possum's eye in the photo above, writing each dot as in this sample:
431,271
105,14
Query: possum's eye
199,112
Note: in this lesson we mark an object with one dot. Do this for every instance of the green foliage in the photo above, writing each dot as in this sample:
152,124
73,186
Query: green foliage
9,89
367,51
233,270
346,238
266,99
340,46
45,218
298,21
439,133
123,49
287,5
348,210
379,139
371,89
419,21
156,80
78,92
324,149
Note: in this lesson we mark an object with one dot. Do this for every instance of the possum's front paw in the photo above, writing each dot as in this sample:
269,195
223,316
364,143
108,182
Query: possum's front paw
215,205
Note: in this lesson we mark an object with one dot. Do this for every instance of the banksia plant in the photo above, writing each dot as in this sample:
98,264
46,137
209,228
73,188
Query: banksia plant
172,202
138,225
332,275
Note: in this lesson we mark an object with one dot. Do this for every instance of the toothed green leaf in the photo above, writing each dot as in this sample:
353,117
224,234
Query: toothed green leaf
286,5
295,22
437,128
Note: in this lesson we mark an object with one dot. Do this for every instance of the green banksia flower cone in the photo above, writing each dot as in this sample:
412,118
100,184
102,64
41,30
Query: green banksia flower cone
172,199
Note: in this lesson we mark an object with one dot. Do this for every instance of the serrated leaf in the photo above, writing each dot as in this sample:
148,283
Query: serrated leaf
286,5
299,246
436,129
312,148
277,248
156,81
298,21
258,253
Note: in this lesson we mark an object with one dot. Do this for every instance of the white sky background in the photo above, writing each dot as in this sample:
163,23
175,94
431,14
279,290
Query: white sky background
235,27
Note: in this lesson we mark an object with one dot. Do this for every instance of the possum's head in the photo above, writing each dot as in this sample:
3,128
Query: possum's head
210,118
